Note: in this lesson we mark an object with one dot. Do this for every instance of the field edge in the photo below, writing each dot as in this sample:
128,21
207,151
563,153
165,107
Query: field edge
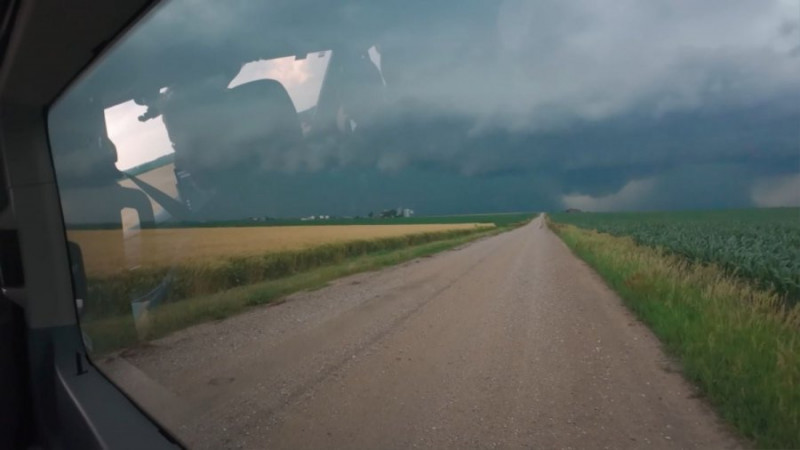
109,334
735,342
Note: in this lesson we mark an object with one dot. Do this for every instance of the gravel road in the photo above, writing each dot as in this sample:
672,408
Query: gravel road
508,342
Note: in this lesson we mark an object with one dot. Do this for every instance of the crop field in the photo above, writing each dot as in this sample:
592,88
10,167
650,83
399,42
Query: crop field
498,219
107,252
737,342
126,266
761,245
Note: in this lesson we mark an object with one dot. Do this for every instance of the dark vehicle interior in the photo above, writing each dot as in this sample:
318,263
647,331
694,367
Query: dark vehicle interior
52,395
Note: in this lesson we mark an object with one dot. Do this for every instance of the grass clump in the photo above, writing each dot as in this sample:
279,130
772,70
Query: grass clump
740,344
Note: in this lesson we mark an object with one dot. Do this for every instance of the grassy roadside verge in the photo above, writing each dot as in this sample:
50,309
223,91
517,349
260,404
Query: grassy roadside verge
112,295
116,332
736,342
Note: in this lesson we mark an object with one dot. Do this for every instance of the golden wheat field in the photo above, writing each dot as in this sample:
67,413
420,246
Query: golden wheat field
110,251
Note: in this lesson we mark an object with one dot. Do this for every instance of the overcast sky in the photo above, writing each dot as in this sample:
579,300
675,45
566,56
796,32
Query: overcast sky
528,105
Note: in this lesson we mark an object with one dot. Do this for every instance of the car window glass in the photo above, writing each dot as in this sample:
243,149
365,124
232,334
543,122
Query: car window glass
223,155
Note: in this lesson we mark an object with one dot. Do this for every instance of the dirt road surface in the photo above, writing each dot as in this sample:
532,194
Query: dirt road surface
509,342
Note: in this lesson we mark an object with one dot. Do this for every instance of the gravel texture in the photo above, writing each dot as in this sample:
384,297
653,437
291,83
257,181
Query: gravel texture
509,342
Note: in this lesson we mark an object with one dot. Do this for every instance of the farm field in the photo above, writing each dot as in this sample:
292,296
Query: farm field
106,254
760,245
736,342
256,266
176,264
499,219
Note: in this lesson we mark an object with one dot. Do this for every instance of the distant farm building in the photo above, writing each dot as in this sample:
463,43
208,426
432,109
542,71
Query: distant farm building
397,212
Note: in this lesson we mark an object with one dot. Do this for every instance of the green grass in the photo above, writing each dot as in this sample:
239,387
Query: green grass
758,245
499,219
740,344
109,296
115,331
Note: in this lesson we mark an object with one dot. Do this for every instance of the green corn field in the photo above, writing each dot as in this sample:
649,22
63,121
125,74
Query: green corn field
761,245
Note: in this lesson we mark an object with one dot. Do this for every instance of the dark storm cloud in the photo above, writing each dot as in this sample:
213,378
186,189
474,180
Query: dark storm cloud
525,103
